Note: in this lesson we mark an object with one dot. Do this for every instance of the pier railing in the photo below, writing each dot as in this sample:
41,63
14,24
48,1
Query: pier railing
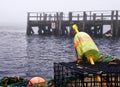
74,16
89,21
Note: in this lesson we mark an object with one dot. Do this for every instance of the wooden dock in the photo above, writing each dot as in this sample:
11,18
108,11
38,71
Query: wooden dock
59,23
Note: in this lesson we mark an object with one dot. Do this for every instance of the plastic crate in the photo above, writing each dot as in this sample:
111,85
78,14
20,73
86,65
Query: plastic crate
86,75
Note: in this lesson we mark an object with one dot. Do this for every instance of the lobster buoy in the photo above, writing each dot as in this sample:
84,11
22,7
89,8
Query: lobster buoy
85,46
35,80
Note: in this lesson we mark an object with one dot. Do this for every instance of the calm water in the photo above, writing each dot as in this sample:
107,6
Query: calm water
29,56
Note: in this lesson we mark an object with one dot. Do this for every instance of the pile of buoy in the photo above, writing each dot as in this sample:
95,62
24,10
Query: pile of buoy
23,82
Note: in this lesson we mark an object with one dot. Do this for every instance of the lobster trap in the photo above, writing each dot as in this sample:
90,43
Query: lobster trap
102,74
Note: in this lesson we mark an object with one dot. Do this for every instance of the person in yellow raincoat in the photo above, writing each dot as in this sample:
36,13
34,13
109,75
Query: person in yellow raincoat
85,47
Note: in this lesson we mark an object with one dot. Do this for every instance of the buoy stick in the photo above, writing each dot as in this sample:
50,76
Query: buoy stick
90,58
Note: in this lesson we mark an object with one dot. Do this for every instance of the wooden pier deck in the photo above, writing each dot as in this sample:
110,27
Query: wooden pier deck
59,23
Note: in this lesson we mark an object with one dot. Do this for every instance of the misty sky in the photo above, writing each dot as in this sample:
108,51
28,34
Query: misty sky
15,11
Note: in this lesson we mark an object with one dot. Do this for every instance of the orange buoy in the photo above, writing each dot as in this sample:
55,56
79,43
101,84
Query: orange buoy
35,80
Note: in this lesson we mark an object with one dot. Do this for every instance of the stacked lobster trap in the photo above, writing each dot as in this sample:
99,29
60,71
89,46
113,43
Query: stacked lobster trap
102,74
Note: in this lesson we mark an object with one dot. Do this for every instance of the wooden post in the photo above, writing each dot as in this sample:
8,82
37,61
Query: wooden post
84,16
116,24
90,15
61,16
45,17
70,22
84,20
78,17
60,23
37,17
70,17
57,23
28,26
50,17
101,16
94,19
40,16
101,25
55,17
112,16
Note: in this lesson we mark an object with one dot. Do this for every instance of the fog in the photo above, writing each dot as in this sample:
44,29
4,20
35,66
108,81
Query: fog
15,11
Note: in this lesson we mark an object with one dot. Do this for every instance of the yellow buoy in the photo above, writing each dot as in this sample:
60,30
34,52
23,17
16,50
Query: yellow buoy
85,46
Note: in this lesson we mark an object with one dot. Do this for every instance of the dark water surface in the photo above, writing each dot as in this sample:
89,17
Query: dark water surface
29,56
